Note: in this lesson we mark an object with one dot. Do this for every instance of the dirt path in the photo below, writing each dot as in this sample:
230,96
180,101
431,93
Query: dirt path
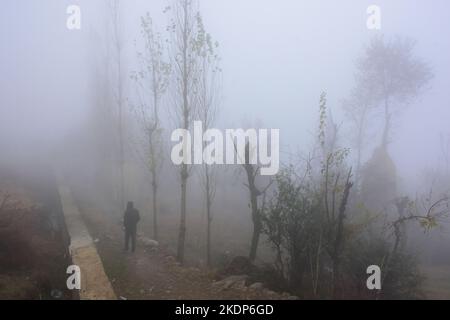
152,273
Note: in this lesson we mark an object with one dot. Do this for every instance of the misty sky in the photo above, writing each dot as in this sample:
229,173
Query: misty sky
277,57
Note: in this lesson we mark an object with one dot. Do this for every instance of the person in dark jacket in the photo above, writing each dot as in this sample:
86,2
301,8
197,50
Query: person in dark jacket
130,220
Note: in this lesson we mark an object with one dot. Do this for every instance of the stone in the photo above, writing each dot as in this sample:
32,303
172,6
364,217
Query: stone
257,286
149,242
236,281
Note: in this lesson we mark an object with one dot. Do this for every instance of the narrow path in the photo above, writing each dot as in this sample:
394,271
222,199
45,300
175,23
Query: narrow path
94,282
153,273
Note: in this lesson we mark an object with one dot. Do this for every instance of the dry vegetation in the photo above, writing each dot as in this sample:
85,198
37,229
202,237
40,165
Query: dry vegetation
33,253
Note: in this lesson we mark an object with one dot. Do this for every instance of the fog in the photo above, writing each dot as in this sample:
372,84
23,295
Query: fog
276,59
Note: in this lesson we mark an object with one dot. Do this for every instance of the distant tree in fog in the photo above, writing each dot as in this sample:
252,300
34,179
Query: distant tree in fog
389,72
185,42
253,172
151,81
208,95
388,78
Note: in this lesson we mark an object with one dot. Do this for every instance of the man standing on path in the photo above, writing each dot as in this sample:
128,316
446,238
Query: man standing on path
130,220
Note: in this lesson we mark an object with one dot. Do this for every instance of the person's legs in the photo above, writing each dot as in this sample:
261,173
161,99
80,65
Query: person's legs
127,239
133,241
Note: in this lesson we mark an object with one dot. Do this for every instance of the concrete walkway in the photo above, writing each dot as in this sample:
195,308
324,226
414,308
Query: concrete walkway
95,284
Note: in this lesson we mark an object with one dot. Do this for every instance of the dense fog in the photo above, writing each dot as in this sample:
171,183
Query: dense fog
362,115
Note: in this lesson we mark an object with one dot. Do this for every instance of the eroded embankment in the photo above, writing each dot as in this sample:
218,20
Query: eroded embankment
34,242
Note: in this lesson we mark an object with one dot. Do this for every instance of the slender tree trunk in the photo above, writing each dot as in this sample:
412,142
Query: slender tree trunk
336,276
208,242
182,231
154,157
120,108
155,206
387,124
121,156
208,217
317,266
255,237
184,168
184,178
257,225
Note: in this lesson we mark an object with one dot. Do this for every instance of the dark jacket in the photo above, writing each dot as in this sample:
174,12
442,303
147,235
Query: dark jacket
131,218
